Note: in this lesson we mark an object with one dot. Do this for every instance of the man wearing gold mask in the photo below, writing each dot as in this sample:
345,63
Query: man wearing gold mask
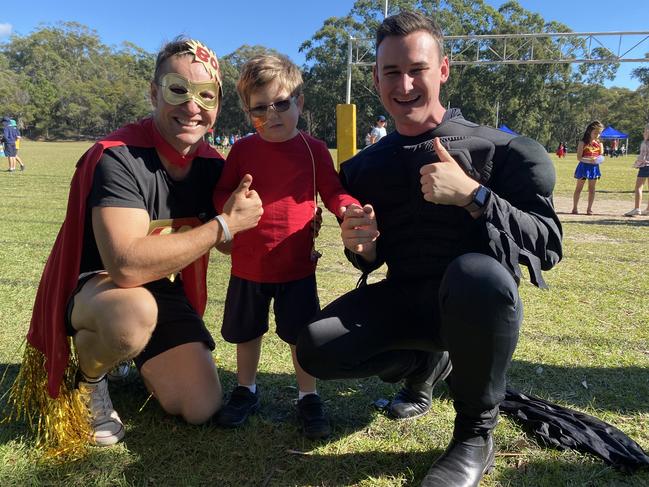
126,276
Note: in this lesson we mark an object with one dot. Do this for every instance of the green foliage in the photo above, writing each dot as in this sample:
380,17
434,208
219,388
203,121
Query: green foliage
547,102
642,74
75,85
62,81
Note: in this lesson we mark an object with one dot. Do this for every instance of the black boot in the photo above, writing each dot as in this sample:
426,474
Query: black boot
463,463
415,397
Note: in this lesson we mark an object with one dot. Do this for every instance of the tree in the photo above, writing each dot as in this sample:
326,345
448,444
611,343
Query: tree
14,97
528,96
74,84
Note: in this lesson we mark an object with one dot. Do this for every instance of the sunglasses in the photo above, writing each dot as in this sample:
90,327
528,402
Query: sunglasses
280,106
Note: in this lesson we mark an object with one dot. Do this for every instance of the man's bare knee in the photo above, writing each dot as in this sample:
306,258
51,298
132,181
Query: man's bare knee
127,326
194,410
200,411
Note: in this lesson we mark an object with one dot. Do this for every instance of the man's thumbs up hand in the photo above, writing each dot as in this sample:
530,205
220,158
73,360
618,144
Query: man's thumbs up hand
445,182
243,208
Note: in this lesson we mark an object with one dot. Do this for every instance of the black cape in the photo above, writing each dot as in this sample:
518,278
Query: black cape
565,428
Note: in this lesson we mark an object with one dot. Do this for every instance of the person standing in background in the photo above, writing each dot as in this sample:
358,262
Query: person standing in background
378,131
642,164
590,155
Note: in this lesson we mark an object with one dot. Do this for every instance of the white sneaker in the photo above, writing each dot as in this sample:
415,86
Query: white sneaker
120,372
107,427
633,212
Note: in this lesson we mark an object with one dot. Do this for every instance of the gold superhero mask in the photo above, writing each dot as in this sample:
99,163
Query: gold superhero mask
177,89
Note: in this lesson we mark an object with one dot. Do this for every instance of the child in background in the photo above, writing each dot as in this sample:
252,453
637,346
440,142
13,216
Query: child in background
13,123
276,260
589,155
642,164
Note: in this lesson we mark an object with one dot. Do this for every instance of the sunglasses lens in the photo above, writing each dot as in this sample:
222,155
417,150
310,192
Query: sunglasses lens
258,111
278,106
282,106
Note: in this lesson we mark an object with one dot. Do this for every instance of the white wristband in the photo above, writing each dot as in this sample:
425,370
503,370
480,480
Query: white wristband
224,226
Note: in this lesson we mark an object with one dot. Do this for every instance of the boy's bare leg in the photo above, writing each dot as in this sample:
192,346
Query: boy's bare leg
310,409
244,399
305,382
248,354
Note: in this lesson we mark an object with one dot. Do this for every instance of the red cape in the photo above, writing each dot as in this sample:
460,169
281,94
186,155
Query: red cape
47,331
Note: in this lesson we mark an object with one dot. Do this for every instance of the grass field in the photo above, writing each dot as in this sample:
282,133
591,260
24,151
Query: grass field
584,344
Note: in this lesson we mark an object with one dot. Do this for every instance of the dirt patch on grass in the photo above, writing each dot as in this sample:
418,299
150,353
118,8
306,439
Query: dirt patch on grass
603,209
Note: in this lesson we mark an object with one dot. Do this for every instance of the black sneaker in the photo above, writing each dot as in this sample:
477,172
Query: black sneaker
314,422
241,404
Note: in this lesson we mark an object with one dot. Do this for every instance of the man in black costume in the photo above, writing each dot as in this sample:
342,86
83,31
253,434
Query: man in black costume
452,208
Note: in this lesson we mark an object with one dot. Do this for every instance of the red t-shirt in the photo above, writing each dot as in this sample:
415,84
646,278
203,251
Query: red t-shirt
278,249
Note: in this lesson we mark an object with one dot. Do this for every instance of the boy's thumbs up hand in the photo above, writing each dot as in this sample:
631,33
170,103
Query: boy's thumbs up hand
445,182
244,184
243,208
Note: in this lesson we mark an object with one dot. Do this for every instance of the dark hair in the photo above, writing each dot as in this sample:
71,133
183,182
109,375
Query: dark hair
177,47
407,22
592,125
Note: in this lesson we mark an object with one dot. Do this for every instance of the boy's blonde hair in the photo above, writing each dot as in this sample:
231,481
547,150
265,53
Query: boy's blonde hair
264,69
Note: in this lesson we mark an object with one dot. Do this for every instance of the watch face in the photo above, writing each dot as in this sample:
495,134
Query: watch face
481,196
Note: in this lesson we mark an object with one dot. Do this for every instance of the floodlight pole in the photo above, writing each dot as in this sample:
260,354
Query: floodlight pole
348,97
385,9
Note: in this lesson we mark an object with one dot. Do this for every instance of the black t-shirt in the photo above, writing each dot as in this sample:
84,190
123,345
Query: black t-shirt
134,177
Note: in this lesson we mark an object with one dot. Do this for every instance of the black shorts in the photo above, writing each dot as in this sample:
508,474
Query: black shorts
247,304
643,172
178,322
10,149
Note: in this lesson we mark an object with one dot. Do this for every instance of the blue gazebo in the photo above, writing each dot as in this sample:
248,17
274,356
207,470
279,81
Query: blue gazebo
610,133
505,128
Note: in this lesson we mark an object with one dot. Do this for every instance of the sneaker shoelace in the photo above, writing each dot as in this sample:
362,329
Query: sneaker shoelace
99,404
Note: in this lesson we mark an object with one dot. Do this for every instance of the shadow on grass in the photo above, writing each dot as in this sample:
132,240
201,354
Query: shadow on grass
622,390
627,222
275,467
270,450
269,457
350,403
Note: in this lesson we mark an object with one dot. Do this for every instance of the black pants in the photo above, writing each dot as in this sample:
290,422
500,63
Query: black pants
388,329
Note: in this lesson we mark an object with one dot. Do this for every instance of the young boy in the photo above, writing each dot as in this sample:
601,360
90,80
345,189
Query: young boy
276,260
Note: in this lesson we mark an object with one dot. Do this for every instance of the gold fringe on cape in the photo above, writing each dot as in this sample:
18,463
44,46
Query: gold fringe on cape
61,425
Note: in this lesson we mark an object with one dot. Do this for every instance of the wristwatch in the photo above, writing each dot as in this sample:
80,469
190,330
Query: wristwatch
479,199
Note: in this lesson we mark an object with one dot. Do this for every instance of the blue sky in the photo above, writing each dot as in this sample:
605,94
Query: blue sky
282,25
